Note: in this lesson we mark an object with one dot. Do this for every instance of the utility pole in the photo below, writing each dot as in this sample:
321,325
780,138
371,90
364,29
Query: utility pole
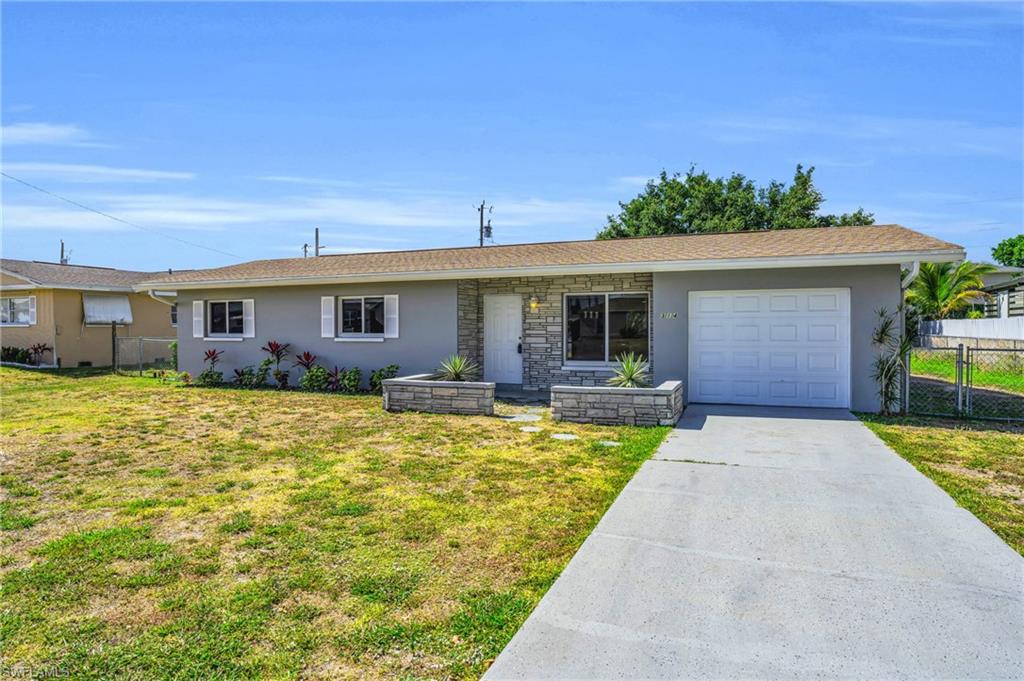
485,230
305,250
316,241
64,258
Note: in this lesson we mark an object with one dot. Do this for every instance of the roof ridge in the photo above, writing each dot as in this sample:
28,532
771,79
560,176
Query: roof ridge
579,241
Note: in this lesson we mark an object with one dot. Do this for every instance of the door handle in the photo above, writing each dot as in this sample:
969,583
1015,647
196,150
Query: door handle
519,348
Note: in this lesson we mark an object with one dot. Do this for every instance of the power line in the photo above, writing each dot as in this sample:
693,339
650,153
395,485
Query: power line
115,218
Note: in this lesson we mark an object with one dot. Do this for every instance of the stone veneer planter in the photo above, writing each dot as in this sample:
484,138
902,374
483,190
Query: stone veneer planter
423,392
605,405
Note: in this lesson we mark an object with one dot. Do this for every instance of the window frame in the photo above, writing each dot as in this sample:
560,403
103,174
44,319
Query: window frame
174,315
356,335
227,319
5,301
607,361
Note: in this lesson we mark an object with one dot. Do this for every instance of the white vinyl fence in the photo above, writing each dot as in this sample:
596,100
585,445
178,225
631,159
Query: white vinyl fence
1009,328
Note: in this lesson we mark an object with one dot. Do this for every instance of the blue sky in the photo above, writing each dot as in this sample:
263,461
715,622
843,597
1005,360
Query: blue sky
240,127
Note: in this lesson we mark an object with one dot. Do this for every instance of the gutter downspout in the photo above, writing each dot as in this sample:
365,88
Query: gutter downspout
905,282
150,293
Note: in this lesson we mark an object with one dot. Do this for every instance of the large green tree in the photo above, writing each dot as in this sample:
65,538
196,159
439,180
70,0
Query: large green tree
696,202
1010,252
943,289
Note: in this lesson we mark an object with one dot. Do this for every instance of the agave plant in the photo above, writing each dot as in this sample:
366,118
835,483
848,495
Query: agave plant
306,360
633,371
213,356
458,368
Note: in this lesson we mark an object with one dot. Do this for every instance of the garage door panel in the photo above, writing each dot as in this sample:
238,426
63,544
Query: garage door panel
786,347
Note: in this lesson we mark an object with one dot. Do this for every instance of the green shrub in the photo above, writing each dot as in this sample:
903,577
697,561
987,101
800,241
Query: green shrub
173,345
975,314
18,355
377,377
316,379
209,377
251,378
344,380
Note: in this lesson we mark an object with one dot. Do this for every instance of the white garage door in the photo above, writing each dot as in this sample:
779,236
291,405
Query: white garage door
774,346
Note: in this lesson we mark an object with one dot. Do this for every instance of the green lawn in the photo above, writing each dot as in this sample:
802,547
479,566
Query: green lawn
980,465
153,531
1001,371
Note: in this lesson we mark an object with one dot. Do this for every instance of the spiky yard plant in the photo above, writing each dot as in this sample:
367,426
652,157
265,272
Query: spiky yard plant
889,366
458,368
633,371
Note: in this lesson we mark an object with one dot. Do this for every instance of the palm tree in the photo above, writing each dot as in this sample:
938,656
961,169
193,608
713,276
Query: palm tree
943,289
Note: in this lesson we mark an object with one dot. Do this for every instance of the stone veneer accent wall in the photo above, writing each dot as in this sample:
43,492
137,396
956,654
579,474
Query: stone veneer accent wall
420,393
543,350
661,406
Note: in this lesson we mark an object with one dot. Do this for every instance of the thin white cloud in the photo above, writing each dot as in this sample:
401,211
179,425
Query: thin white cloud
303,213
632,181
315,181
885,134
43,134
71,172
937,41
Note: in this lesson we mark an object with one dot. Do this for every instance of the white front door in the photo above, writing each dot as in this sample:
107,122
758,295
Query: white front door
772,346
503,333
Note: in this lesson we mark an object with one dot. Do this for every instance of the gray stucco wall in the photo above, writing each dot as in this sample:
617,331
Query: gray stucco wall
870,288
427,327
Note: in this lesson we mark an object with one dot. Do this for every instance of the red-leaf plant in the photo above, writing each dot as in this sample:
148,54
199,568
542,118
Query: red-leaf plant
278,351
38,350
213,356
306,360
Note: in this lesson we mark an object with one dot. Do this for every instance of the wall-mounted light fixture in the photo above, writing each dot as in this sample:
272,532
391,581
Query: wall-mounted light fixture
534,303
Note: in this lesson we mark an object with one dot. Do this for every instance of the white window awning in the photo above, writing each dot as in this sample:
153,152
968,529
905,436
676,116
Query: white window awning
106,309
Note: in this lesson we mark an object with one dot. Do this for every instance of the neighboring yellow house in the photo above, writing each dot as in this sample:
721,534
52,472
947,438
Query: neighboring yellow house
70,308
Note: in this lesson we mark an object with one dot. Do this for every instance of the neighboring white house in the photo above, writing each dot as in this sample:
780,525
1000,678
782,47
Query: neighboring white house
1003,310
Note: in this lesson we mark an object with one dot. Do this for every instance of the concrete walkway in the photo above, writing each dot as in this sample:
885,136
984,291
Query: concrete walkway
779,543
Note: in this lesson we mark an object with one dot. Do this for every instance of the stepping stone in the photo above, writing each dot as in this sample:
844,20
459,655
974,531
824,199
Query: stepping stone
536,410
609,443
531,429
565,436
520,418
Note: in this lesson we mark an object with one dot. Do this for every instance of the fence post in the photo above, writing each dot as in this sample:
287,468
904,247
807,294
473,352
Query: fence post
113,346
140,355
905,402
960,378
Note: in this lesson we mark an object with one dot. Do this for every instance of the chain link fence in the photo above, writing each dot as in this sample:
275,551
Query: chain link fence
137,354
985,383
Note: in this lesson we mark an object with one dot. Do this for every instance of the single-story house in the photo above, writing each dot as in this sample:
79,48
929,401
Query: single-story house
766,317
70,308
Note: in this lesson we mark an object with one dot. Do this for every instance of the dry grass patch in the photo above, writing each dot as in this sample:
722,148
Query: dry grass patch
157,531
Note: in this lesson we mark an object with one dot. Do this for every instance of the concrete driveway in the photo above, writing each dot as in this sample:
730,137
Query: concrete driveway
779,543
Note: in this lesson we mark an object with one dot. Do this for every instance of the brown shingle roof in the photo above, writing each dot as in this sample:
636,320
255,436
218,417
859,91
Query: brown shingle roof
49,274
833,241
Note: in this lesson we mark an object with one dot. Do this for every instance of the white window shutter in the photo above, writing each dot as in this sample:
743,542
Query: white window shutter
248,318
327,317
31,310
197,319
391,316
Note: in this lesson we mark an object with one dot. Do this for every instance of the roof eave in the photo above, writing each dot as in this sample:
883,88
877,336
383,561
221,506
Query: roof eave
848,259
